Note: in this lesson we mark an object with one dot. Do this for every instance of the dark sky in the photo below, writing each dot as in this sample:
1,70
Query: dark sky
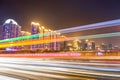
58,14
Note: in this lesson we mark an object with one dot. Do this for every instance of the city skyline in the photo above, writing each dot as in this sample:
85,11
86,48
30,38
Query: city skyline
11,29
109,40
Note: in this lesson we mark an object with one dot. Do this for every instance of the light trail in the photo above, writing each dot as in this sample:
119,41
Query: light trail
79,28
8,78
56,69
96,36
48,40
29,42
91,26
23,38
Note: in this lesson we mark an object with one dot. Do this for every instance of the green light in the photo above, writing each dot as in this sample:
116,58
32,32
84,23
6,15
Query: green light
23,38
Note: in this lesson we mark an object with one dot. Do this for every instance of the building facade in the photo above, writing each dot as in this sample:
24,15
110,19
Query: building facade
34,30
10,29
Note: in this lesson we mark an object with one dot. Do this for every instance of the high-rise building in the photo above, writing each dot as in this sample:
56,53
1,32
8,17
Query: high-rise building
34,30
50,35
10,29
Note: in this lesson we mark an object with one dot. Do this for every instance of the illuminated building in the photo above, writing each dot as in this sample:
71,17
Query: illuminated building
103,46
75,44
55,45
82,44
10,29
42,31
52,35
34,30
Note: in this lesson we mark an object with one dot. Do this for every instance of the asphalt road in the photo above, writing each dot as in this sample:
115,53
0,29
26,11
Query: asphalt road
47,69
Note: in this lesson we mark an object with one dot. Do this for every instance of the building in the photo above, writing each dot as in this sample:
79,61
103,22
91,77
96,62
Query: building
50,39
34,30
47,35
83,45
103,46
10,29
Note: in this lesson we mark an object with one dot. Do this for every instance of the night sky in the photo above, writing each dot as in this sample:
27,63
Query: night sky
59,14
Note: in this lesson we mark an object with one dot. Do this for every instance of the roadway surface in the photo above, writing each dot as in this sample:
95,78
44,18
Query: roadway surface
48,69
66,55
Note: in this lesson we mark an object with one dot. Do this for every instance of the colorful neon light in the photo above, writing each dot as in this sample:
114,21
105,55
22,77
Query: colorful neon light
48,40
23,38
29,42
79,28
60,54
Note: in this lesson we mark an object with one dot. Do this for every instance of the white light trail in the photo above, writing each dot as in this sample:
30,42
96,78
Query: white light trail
91,26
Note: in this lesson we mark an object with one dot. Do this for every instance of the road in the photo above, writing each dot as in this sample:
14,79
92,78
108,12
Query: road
48,69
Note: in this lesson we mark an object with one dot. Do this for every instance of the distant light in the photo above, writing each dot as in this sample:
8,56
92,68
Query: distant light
52,55
58,33
46,30
49,30
43,27
86,40
8,21
37,24
92,26
54,31
34,23
8,49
